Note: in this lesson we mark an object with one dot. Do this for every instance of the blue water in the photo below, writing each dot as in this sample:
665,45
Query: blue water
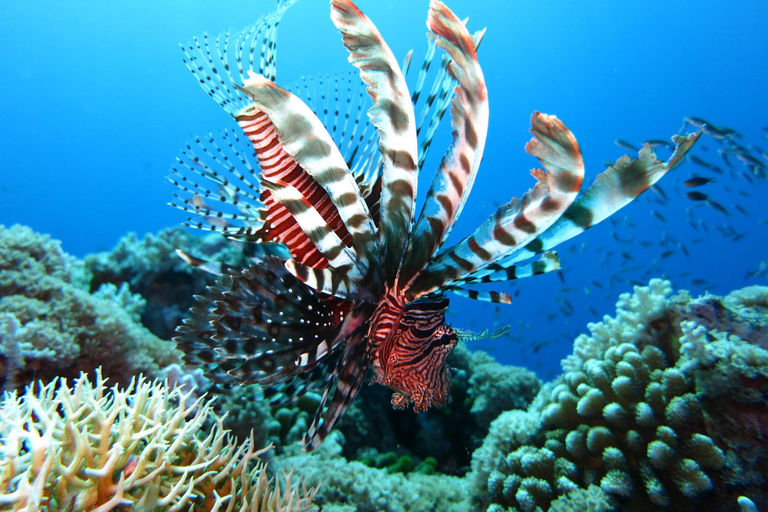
97,103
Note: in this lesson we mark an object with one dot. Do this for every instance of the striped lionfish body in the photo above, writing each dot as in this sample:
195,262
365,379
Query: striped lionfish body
346,278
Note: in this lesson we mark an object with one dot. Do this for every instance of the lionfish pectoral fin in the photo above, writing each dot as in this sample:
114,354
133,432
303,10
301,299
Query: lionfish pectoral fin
219,69
330,281
520,221
548,262
613,189
392,115
293,135
482,296
312,223
343,383
453,181
485,334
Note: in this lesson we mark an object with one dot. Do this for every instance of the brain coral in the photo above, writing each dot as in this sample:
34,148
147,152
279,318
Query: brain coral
147,447
661,407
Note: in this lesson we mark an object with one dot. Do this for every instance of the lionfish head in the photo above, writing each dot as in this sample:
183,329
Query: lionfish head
411,358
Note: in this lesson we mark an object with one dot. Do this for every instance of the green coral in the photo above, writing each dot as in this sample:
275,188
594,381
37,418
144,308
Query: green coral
87,447
51,326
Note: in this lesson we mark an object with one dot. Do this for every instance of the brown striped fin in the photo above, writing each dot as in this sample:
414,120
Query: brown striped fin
301,139
453,181
613,189
392,115
312,223
549,262
519,221
221,64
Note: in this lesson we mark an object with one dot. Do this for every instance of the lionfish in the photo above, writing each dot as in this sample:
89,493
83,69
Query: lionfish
345,279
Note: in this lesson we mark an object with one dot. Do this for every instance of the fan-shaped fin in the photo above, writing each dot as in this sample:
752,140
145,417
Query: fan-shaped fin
300,136
519,221
260,325
218,67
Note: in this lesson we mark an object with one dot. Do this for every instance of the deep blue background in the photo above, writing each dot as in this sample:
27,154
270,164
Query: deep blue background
96,104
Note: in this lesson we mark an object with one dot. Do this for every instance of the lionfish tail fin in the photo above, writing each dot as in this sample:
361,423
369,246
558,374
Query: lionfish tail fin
485,334
220,64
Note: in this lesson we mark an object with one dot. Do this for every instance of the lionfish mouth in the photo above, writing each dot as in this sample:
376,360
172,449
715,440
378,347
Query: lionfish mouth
345,277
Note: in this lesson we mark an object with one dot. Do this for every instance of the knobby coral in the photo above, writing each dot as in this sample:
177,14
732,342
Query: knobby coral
662,406
87,447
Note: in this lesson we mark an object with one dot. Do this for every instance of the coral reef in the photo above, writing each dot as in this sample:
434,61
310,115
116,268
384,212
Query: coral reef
51,326
662,406
92,448
151,267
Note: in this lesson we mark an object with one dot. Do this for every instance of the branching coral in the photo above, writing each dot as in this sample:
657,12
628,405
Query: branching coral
92,448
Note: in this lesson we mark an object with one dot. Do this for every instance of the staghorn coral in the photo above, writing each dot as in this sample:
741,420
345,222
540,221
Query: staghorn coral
51,326
654,408
92,448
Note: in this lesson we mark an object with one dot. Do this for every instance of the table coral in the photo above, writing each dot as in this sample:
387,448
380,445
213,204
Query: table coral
654,409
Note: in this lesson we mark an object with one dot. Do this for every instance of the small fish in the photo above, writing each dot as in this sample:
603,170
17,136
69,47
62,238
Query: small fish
740,209
596,284
656,189
697,181
658,143
658,216
667,254
625,145
683,249
698,161
700,282
715,206
697,196
592,310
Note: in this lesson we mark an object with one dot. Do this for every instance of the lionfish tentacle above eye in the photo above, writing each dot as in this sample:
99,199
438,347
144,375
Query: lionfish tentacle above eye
519,221
453,181
302,138
392,115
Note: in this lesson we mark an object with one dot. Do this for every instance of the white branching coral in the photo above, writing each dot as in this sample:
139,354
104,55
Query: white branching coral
92,448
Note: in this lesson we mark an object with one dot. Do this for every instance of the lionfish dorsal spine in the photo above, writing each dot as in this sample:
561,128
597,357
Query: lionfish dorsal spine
453,181
392,115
